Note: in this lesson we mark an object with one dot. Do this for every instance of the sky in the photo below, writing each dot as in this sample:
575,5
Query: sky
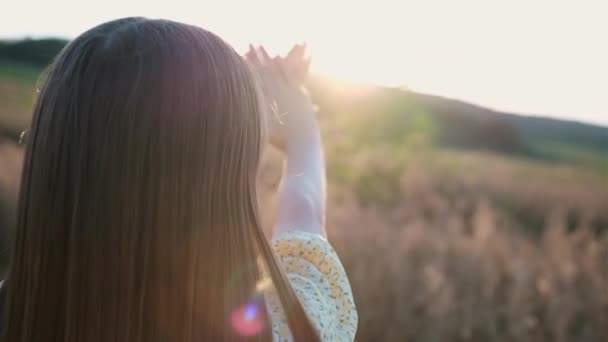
536,57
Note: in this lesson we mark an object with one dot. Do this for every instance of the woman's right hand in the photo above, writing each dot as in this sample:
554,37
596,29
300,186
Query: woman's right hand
290,111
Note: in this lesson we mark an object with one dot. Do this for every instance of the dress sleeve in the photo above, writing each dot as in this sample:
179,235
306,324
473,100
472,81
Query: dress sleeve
318,278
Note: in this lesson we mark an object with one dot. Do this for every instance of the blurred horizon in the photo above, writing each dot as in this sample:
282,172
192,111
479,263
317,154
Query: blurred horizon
536,59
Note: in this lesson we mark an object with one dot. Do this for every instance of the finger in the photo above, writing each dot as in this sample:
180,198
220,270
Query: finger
252,55
300,70
259,56
248,58
306,64
278,65
297,60
289,75
298,53
266,58
302,50
249,53
293,52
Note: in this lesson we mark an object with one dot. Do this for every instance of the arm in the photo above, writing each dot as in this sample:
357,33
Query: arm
293,129
303,190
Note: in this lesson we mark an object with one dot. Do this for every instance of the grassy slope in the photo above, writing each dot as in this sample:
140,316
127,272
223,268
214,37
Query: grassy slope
457,124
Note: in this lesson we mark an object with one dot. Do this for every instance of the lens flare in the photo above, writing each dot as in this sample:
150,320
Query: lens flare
251,311
247,320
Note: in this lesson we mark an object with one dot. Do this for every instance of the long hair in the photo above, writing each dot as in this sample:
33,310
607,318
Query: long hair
137,216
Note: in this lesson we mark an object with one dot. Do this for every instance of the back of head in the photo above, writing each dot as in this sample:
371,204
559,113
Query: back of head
137,216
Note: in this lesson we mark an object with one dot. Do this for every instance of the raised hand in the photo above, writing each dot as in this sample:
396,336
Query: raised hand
290,111
293,129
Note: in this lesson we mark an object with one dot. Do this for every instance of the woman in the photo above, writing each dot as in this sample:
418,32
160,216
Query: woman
137,216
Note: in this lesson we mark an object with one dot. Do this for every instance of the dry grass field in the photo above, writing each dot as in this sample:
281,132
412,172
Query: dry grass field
476,247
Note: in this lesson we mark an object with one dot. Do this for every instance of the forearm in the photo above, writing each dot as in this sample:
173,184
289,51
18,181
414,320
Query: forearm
301,198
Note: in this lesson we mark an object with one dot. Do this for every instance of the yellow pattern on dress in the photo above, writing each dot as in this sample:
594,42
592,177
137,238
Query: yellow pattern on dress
319,280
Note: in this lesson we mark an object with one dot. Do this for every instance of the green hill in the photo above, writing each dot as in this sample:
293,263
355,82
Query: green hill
394,112
382,114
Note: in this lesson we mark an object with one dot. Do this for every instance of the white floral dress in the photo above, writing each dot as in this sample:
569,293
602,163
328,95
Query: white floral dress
319,280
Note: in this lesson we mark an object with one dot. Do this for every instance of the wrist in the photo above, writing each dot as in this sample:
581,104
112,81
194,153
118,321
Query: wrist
295,129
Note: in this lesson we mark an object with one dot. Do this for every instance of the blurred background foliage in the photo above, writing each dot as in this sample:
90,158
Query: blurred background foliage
454,222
